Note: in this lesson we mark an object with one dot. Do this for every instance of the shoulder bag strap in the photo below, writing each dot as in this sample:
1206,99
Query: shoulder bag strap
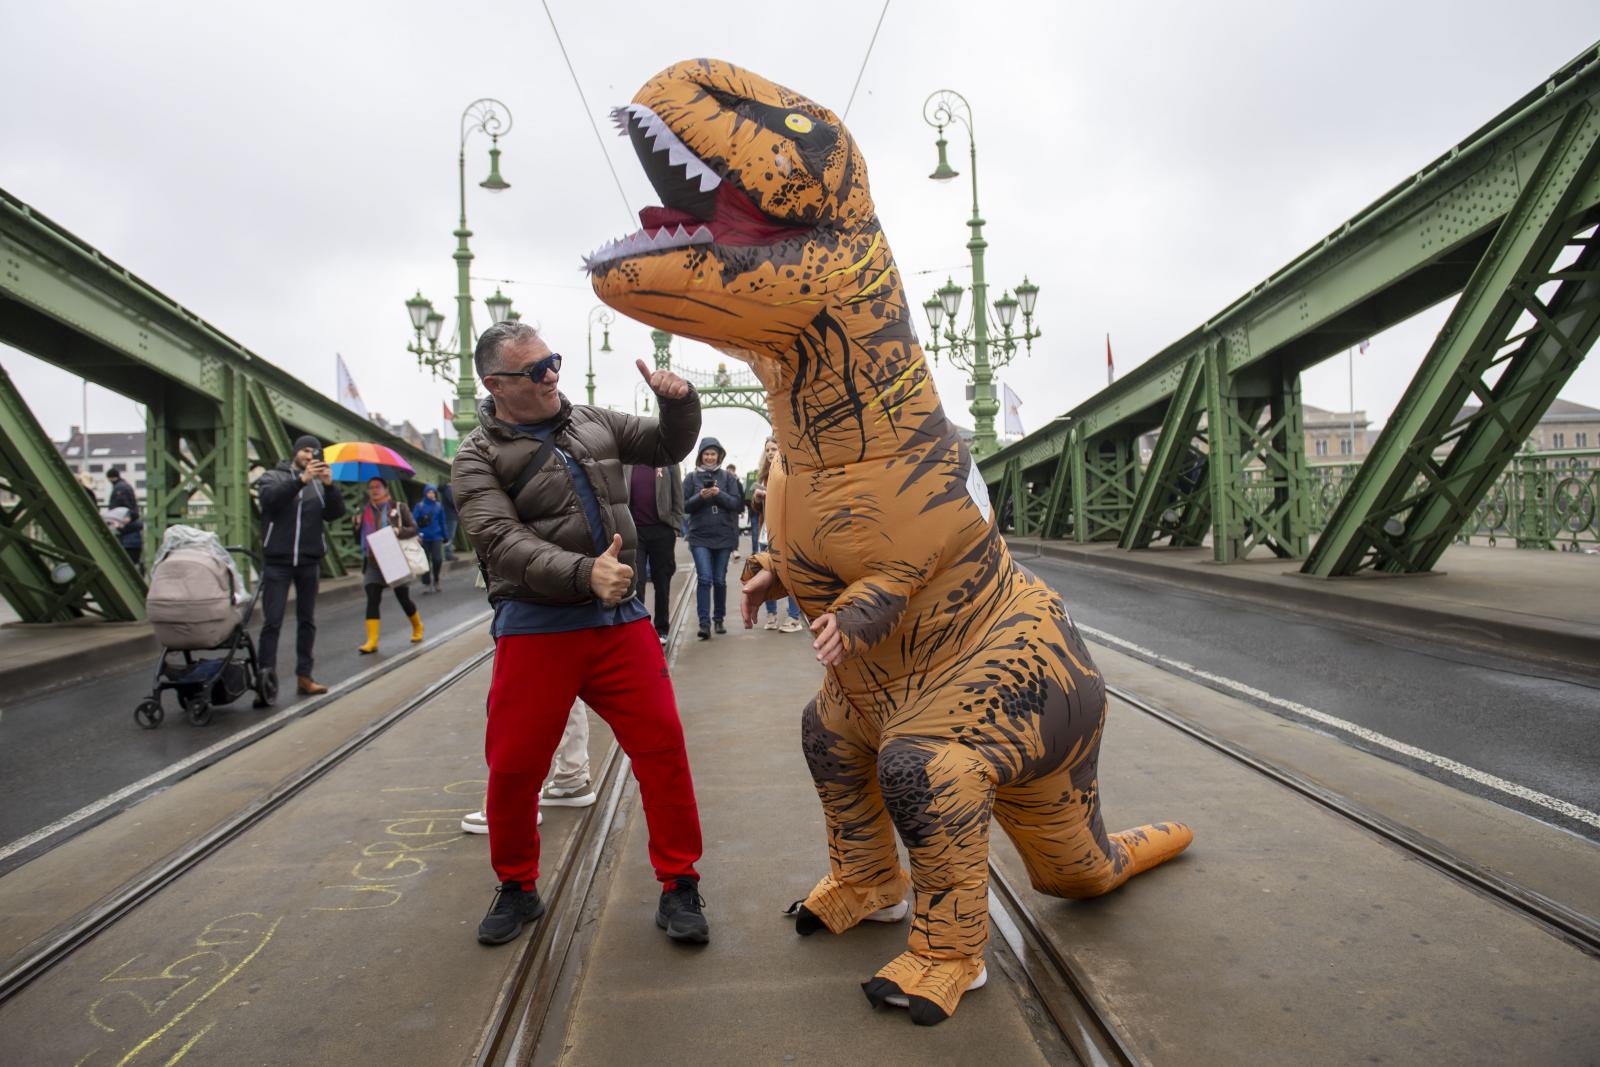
539,456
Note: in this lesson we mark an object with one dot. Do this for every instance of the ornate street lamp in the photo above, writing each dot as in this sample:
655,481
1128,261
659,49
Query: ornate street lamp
499,306
605,317
972,347
491,117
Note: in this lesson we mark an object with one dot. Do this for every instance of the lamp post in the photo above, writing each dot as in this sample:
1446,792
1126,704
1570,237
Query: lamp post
973,348
605,317
491,117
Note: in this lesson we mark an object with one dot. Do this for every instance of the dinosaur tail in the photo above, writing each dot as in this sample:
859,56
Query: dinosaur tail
1152,845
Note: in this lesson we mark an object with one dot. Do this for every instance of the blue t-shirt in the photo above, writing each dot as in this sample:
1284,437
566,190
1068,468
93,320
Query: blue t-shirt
522,617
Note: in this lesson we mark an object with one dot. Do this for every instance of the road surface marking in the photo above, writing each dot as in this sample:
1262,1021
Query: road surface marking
1472,774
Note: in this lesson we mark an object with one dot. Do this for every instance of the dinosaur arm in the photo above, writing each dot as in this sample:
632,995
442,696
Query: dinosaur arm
757,562
871,607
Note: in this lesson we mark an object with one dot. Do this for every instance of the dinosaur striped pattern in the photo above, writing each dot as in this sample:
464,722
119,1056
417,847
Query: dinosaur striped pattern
966,696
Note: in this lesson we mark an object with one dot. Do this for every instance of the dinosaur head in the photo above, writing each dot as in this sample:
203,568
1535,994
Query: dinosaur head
763,194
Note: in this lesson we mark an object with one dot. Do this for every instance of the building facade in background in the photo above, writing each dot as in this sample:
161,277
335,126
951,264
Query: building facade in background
106,450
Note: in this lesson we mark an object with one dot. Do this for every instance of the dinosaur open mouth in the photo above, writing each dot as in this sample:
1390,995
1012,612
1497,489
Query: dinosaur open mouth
699,206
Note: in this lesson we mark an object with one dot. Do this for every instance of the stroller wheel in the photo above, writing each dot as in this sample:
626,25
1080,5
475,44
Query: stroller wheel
199,709
149,714
266,688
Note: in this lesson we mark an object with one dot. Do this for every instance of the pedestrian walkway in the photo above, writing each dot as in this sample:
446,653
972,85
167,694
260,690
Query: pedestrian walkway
341,928
758,993
1544,605
35,657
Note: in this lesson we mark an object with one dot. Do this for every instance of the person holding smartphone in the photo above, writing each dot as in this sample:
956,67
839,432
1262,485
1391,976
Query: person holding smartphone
296,497
713,500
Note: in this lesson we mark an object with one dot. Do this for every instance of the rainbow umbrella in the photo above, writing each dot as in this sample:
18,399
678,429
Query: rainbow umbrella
359,461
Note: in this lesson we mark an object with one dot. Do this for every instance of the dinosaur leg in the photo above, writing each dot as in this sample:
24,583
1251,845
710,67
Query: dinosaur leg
1065,846
940,798
1051,808
865,880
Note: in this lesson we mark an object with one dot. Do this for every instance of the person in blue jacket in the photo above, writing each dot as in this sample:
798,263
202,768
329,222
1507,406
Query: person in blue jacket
429,513
713,501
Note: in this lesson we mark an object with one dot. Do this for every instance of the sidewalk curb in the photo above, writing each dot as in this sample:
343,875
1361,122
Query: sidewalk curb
1321,597
119,645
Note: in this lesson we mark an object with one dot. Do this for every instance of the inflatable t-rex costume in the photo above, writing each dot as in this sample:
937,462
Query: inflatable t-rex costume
965,691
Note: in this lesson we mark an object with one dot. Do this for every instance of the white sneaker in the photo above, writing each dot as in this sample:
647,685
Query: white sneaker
478,823
902,1001
790,626
580,797
892,914
772,620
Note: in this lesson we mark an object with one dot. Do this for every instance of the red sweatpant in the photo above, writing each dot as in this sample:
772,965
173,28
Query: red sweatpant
620,672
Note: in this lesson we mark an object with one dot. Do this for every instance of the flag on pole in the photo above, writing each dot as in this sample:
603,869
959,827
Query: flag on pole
1111,368
1013,411
349,395
449,416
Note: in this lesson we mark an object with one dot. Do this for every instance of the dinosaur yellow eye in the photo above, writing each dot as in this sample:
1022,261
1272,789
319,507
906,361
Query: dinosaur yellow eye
798,122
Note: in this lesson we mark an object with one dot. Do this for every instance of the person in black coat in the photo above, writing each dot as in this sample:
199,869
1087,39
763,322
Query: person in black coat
296,498
130,531
713,500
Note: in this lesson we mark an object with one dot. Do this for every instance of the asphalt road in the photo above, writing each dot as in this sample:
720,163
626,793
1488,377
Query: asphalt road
69,748
1502,717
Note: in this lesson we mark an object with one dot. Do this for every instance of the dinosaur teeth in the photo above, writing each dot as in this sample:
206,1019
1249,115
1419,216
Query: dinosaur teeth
640,242
662,139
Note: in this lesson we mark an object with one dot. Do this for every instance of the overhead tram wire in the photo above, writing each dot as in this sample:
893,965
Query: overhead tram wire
864,59
589,114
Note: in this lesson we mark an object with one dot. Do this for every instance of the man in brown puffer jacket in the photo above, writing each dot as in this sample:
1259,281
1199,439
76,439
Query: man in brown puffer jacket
542,496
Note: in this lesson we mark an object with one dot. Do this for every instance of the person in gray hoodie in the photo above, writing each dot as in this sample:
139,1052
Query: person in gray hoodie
713,500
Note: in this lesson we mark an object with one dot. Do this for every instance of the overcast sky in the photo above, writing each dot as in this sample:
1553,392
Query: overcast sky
288,171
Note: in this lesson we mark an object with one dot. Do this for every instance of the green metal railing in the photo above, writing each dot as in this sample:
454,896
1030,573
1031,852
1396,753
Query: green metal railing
1548,500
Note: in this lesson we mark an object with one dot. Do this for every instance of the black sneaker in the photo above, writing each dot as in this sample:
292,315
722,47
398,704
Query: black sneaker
679,912
513,908
719,627
704,633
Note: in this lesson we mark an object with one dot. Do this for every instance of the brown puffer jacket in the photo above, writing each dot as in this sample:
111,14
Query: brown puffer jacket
540,550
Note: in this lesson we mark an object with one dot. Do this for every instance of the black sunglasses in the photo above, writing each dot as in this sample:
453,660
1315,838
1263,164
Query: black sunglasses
534,373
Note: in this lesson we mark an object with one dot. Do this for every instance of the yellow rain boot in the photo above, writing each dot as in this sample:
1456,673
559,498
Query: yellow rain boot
372,638
416,628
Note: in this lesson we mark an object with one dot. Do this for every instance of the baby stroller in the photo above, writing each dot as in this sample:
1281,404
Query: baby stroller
194,605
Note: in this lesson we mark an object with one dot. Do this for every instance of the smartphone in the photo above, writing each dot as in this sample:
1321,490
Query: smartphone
708,481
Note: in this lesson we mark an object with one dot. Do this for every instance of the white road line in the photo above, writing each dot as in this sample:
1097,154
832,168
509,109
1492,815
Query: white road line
1472,774
349,684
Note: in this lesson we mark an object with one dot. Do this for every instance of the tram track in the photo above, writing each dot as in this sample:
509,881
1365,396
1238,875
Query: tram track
1567,924
522,1003
1067,993
106,913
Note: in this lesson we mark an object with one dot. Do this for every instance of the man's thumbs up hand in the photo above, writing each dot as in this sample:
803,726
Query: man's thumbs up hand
610,578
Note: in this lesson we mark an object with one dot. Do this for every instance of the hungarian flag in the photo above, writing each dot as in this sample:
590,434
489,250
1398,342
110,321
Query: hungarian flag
1111,368
449,416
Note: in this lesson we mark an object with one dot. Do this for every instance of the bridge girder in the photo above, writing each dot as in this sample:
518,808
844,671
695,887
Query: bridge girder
215,410
1521,327
1427,239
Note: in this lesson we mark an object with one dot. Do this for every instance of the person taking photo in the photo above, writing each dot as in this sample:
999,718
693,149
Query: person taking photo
296,498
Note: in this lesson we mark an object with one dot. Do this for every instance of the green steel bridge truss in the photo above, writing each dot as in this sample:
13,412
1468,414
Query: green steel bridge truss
722,388
216,413
1507,219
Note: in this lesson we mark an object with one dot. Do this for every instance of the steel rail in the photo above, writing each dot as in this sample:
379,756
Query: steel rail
1574,927
1067,995
85,819
109,911
522,1003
